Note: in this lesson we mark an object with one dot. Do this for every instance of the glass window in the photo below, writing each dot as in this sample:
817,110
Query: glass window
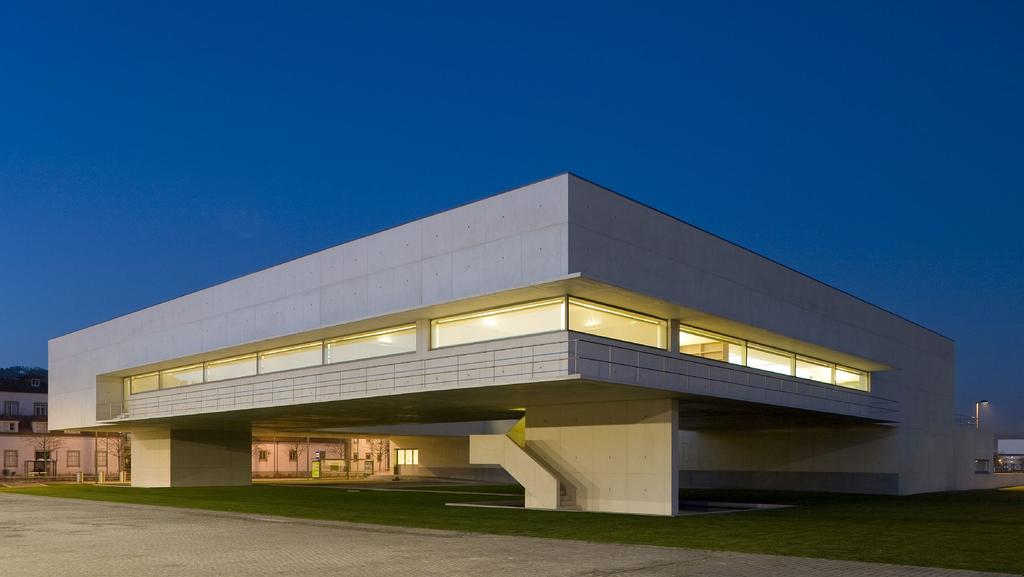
813,370
614,323
74,459
513,321
851,378
10,458
190,375
768,360
297,357
143,383
710,346
101,459
408,457
39,409
374,344
231,368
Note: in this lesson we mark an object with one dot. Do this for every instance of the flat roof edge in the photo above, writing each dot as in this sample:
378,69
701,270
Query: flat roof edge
308,254
759,255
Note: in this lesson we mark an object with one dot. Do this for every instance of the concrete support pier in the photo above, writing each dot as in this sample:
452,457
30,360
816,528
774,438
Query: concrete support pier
191,458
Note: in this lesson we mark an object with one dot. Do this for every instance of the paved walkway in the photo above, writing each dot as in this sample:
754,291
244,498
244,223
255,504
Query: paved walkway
43,536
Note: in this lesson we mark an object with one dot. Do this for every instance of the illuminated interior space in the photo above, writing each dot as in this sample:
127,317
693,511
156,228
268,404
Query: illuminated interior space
601,353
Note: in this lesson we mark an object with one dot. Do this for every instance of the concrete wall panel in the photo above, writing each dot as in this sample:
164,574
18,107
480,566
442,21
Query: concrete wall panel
469,250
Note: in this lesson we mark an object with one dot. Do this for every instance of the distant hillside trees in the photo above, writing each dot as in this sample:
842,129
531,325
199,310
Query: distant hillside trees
18,371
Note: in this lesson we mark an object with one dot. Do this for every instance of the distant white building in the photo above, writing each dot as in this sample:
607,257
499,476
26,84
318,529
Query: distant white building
1010,454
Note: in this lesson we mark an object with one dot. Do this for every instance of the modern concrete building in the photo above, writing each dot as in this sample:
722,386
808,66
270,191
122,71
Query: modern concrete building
605,353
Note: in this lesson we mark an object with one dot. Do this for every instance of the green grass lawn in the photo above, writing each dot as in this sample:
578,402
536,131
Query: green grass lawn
979,530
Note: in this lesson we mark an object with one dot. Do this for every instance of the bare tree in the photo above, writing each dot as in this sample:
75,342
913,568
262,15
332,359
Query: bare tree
380,448
257,448
119,445
47,445
297,448
339,447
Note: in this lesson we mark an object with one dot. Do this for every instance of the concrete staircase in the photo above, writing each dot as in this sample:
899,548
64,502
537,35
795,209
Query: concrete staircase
566,501
545,489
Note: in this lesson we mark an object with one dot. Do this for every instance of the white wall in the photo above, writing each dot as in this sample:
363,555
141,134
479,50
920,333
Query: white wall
531,235
618,457
514,239
445,457
183,458
624,243
851,459
26,402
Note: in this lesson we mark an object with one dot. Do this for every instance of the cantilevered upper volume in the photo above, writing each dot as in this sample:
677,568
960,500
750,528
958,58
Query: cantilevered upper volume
550,295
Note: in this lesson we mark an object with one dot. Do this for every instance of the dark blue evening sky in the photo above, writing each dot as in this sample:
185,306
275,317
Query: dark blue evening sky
149,150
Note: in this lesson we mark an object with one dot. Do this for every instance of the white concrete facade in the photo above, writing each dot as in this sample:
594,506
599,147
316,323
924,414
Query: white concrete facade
561,236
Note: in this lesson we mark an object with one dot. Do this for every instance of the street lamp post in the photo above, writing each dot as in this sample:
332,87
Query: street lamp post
977,413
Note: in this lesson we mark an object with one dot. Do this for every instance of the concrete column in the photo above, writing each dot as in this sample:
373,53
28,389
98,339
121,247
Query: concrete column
191,458
673,335
617,457
422,336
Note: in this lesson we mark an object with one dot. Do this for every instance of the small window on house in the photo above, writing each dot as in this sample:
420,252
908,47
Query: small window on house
293,455
35,383
40,427
262,455
101,459
11,458
39,409
74,458
11,408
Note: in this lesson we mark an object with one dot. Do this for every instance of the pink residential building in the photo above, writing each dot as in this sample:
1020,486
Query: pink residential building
29,450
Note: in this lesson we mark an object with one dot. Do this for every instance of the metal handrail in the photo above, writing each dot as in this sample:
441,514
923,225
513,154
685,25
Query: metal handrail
875,401
964,420
446,369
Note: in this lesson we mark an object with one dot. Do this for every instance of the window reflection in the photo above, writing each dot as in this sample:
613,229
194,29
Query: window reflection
518,320
616,323
373,344
769,360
